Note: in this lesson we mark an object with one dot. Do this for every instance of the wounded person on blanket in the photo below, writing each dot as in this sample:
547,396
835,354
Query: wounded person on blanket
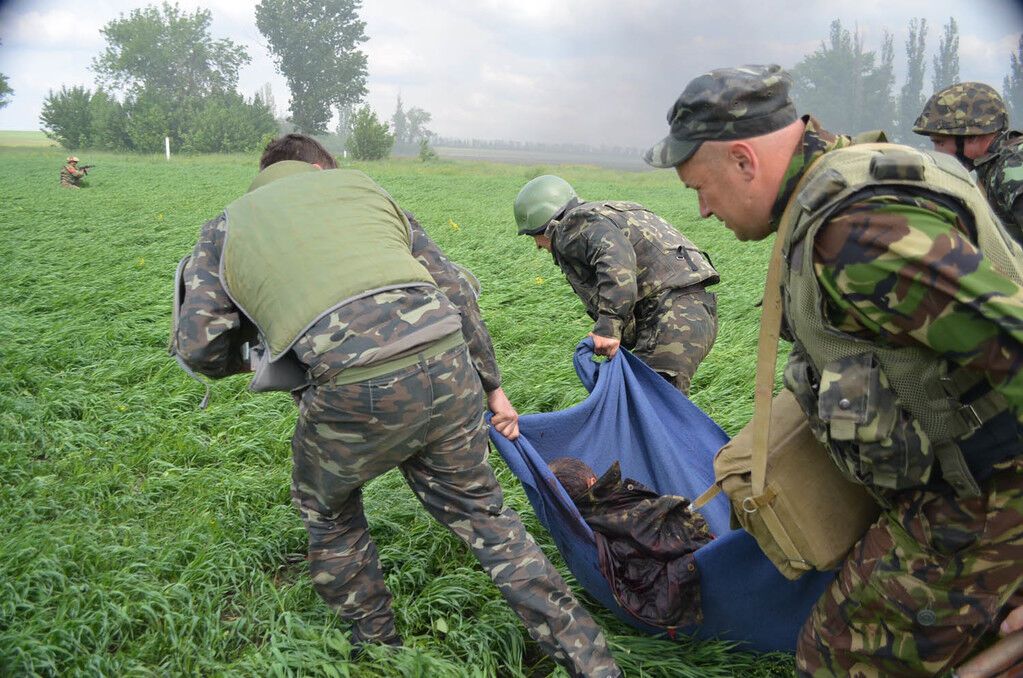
645,542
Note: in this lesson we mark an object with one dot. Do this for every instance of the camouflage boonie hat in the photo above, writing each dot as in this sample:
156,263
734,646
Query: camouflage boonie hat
964,109
724,104
71,159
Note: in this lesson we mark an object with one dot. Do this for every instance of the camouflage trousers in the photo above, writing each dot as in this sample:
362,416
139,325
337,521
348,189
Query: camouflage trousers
65,183
932,577
427,420
674,333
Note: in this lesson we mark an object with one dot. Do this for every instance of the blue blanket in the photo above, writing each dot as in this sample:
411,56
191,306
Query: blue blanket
664,441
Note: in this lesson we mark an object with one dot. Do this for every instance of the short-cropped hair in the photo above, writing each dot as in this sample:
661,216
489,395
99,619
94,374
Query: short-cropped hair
574,475
296,147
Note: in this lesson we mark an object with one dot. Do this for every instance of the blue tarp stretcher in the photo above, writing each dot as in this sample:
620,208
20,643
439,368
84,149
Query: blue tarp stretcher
664,441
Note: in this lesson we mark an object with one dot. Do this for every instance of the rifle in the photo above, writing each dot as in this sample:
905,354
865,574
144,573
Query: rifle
85,168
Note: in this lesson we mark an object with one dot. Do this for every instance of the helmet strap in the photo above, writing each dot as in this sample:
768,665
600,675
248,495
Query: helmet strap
961,152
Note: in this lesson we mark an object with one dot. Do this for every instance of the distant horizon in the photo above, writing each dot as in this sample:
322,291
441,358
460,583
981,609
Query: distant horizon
581,71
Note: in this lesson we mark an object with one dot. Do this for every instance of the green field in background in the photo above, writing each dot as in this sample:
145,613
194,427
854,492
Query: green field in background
143,536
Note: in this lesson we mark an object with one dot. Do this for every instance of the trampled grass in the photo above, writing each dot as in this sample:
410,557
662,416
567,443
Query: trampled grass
142,536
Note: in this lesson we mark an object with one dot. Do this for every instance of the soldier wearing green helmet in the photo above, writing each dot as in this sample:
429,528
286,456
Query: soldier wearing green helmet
969,120
642,281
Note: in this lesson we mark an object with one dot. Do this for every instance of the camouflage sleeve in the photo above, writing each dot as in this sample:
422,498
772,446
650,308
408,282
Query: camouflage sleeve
211,328
902,269
599,246
462,289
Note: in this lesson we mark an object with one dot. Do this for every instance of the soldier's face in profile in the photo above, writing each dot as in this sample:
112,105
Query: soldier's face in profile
944,143
725,191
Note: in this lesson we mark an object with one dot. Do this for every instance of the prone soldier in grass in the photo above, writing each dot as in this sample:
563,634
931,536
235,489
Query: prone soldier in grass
969,121
642,281
902,298
327,268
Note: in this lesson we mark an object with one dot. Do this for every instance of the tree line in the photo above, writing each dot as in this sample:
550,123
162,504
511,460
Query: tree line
852,89
163,74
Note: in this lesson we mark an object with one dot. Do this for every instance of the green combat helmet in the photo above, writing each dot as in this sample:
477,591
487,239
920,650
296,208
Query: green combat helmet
964,109
539,201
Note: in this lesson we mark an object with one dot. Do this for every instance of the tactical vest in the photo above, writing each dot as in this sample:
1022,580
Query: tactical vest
664,257
887,413
304,243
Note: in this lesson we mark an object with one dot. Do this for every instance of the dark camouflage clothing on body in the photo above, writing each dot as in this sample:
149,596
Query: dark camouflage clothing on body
641,281
1000,175
71,176
425,418
937,571
645,544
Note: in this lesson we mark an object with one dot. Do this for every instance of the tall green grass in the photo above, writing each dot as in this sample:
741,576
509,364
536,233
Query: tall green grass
142,536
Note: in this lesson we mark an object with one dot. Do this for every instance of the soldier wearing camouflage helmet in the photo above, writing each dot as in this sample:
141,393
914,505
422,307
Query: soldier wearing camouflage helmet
396,361
902,296
71,175
642,281
969,121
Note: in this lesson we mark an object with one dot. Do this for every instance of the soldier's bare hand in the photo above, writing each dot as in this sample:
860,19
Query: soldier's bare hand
605,345
1013,623
505,419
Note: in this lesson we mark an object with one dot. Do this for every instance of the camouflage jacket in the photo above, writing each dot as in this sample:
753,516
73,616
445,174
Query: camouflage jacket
71,175
616,254
899,269
645,542
1000,175
212,329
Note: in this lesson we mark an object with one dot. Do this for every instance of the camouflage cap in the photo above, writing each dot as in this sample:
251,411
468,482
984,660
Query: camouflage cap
963,109
71,159
726,103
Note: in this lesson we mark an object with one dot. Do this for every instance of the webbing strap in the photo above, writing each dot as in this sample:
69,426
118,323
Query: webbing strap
767,344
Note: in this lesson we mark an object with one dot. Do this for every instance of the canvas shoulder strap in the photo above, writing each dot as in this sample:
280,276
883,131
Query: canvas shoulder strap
767,353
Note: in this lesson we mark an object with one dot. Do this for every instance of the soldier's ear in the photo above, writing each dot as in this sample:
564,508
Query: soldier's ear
743,157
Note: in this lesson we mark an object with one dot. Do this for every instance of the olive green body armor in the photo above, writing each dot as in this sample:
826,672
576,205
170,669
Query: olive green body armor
886,413
303,242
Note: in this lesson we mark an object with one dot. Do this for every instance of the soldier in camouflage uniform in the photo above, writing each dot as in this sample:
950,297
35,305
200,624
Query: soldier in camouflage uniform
645,542
391,383
907,359
642,281
70,175
969,121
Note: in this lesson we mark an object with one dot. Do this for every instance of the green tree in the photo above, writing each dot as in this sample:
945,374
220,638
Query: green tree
5,91
227,123
946,61
845,85
108,123
315,46
66,117
399,124
345,117
1012,86
417,120
370,139
169,53
911,96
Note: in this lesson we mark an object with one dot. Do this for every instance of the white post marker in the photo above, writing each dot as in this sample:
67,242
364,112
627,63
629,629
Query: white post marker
166,146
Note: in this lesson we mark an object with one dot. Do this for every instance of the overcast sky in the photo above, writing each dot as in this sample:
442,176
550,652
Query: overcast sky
587,71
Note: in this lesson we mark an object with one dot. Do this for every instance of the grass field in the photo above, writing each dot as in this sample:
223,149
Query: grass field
142,536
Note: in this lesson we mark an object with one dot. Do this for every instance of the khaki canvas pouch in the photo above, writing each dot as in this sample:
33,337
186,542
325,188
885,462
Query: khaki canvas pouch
782,485
807,515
